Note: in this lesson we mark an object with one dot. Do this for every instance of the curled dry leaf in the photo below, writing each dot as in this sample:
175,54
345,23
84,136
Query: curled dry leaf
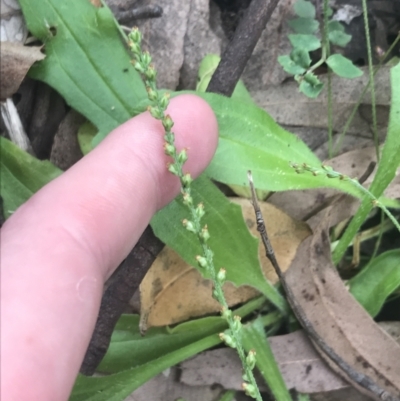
172,291
342,331
16,59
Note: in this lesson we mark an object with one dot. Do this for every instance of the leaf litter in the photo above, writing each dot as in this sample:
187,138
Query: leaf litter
341,330
301,366
16,60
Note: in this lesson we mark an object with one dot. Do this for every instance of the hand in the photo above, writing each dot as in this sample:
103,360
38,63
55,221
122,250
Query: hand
59,247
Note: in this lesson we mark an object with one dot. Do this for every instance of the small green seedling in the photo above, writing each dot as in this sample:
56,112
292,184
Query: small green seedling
305,40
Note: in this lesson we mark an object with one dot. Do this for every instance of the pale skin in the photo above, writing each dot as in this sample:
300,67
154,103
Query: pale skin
58,248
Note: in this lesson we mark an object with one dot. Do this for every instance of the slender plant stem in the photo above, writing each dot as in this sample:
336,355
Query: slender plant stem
326,54
357,105
330,173
371,74
380,235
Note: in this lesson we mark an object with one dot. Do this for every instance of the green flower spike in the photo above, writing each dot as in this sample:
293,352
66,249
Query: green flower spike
158,105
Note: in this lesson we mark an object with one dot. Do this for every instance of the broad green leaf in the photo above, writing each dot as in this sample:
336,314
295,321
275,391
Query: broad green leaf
377,281
86,61
388,165
290,66
21,175
306,42
343,67
304,25
254,338
310,85
233,246
129,349
117,386
251,140
207,67
304,9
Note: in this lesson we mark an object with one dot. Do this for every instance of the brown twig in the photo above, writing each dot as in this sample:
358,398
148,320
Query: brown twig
124,283
241,47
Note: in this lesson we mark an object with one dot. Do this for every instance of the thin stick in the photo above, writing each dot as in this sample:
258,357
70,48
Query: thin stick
241,47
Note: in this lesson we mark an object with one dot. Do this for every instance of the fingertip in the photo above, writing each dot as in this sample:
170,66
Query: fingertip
197,130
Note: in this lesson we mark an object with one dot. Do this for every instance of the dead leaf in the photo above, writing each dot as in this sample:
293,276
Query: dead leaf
340,328
172,291
165,387
301,366
16,59
12,24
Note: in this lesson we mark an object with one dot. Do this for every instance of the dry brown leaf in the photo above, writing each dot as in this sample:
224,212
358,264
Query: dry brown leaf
301,366
172,291
339,327
16,59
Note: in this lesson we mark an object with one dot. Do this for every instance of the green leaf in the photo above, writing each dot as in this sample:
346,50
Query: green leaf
306,42
310,85
387,167
304,25
21,175
290,66
231,242
343,67
297,62
251,140
304,9
86,61
254,337
300,57
337,34
339,38
207,67
118,386
379,279
129,349
145,357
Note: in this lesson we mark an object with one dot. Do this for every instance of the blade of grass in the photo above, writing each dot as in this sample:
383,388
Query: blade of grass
386,171
254,338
